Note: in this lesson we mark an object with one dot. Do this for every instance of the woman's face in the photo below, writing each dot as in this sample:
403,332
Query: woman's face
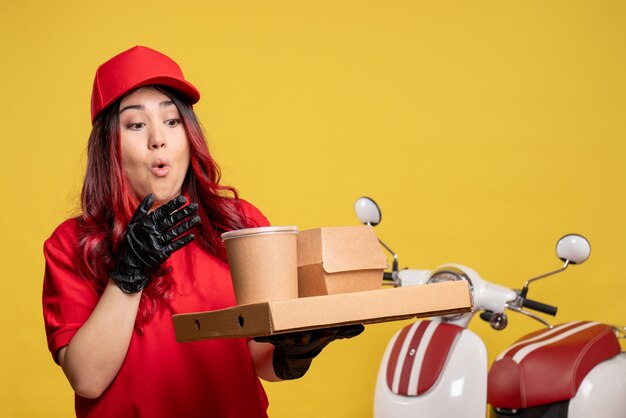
155,150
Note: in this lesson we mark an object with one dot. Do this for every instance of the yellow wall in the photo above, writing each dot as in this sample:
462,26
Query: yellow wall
485,130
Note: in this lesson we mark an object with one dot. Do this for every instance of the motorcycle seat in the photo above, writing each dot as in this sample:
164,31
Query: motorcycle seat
418,356
548,366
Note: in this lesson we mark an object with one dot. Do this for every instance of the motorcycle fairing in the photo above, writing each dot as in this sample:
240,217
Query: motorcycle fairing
418,356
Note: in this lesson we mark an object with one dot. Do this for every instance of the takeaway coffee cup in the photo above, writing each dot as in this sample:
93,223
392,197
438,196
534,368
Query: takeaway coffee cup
263,263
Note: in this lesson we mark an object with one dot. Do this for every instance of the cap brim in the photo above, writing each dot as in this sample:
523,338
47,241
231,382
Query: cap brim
190,94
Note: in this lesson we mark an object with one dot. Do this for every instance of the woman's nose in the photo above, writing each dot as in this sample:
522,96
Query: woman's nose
157,139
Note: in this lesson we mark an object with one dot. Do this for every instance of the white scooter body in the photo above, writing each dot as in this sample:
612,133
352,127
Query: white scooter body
460,391
603,391
539,375
461,387
412,382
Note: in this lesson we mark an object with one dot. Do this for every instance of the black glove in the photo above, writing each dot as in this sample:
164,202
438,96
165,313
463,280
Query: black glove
294,352
150,240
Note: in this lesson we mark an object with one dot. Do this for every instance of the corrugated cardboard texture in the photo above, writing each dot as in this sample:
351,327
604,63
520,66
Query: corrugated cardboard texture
309,247
314,281
341,248
342,259
351,248
324,311
311,281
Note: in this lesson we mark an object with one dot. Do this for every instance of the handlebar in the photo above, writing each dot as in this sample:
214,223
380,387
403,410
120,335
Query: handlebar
538,306
490,295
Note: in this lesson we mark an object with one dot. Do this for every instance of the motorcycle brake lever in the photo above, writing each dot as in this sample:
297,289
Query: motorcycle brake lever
530,314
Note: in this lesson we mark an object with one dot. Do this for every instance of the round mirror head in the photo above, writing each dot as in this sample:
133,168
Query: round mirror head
367,211
574,248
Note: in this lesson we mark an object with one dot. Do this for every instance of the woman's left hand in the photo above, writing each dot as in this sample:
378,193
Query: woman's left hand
294,351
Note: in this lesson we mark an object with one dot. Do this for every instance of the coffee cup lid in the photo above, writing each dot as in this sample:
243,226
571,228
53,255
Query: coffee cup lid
238,233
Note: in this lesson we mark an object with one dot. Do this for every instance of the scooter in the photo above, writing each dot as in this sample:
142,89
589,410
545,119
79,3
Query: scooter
438,368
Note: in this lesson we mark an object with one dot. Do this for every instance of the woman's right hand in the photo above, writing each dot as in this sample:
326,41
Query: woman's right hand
151,239
96,352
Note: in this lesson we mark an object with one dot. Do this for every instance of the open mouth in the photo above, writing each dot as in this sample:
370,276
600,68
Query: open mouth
160,168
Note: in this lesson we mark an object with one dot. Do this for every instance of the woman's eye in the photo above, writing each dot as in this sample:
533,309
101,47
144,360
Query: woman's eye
135,126
172,122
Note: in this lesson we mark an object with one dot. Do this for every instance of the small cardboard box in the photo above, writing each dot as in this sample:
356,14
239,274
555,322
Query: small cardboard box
341,259
282,316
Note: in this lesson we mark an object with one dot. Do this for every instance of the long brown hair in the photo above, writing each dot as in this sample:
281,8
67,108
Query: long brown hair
108,202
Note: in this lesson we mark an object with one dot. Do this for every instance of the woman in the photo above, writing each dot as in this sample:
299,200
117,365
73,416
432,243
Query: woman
116,273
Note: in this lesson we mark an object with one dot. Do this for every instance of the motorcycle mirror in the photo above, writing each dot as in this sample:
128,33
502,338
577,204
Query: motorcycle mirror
573,248
367,211
369,214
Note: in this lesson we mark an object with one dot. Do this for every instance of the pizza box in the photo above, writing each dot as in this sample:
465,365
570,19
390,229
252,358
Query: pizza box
366,307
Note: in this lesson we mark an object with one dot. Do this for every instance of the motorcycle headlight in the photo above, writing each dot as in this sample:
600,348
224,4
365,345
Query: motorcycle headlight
450,274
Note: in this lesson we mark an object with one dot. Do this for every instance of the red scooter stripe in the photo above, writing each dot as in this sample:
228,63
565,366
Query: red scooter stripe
409,358
537,336
436,355
573,334
395,354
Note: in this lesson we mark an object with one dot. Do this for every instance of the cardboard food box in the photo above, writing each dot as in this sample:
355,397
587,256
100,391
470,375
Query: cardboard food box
341,259
367,307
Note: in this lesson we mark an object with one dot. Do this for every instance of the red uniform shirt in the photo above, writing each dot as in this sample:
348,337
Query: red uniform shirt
159,377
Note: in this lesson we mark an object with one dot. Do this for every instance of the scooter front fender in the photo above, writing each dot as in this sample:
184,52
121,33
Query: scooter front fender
459,391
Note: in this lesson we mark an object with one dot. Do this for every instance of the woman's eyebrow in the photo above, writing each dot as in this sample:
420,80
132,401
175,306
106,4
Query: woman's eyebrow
139,107
142,107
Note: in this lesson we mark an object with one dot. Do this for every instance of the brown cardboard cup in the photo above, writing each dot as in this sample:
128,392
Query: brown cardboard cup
263,263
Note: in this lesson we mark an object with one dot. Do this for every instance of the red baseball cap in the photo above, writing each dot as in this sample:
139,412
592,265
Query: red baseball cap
136,67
